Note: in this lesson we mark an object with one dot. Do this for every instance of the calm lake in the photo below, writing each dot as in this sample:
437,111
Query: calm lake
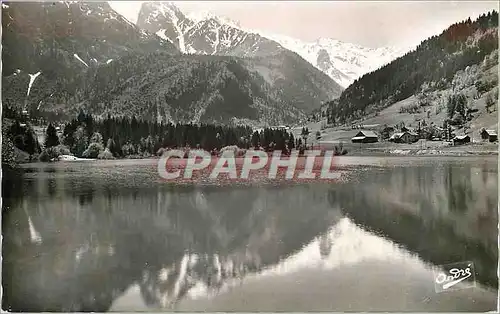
109,236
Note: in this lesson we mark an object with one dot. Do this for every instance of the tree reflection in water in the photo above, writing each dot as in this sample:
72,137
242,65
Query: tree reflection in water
459,227
96,243
99,239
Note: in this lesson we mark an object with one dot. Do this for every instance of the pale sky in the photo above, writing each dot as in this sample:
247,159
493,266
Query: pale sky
368,23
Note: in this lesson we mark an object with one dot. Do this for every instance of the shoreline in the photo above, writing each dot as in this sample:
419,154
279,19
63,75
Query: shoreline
363,150
359,153
345,169
427,149
420,153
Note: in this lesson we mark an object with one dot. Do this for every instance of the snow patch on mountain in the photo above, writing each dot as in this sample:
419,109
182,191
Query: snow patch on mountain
217,40
68,3
180,37
32,80
80,59
161,34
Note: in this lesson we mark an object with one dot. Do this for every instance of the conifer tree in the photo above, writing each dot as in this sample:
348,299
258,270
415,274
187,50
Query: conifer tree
51,138
291,142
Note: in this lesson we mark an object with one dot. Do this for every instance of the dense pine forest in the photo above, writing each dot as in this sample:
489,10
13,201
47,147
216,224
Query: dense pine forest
434,61
113,137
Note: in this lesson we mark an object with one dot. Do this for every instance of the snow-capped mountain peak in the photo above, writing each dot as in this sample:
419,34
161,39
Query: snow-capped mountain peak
202,32
165,20
164,8
207,15
158,12
343,62
208,33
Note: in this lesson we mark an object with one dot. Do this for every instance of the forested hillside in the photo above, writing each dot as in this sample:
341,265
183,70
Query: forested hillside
160,87
299,83
434,62
69,56
46,36
47,47
185,88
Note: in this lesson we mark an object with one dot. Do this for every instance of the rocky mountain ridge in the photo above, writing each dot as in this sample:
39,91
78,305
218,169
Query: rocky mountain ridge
71,53
209,33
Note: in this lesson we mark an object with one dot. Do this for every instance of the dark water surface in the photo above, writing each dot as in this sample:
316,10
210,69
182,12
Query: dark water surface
107,236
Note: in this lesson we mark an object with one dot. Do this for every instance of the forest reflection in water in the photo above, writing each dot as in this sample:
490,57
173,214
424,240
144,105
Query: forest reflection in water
75,242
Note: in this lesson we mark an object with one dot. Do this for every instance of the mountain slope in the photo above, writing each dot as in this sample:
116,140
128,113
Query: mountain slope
302,84
48,46
166,20
75,33
206,34
161,87
435,112
299,83
432,65
343,62
77,56
185,89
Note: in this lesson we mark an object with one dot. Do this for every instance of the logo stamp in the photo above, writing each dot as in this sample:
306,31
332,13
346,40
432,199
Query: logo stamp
454,276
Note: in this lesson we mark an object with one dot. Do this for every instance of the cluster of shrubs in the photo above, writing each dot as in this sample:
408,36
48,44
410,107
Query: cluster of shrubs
95,150
52,153
412,108
485,86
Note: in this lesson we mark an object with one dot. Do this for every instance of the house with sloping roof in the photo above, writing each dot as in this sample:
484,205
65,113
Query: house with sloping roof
386,131
461,139
395,136
365,137
407,129
490,135
404,137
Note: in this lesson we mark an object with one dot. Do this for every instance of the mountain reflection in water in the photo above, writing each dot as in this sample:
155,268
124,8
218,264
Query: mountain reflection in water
79,241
